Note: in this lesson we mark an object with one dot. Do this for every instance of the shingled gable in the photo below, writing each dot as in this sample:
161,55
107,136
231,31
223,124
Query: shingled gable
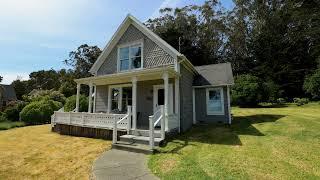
130,20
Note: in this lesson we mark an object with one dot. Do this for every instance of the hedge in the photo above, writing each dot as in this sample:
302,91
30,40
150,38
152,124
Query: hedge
39,112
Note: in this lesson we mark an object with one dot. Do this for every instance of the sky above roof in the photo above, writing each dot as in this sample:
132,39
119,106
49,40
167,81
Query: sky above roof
39,34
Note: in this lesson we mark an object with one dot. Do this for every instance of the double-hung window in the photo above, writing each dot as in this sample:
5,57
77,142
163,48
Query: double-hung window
130,57
215,103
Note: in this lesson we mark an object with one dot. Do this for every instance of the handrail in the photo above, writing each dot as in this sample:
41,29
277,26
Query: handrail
123,118
157,121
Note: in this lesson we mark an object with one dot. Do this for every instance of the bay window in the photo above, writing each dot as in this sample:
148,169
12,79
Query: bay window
215,102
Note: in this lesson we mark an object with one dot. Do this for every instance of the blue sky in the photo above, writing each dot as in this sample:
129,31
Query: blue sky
39,34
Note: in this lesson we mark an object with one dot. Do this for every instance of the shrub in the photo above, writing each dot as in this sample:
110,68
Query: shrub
71,103
246,91
281,101
68,88
271,92
312,84
39,95
12,113
3,118
39,112
8,125
300,101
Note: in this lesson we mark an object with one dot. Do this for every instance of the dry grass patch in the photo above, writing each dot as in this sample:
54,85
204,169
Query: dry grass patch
35,152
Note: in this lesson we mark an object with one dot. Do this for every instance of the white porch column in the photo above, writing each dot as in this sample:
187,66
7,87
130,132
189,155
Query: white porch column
134,102
109,99
78,96
177,98
94,98
166,97
120,99
90,98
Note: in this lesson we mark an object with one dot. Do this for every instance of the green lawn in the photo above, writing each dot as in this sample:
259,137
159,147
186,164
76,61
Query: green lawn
262,143
8,125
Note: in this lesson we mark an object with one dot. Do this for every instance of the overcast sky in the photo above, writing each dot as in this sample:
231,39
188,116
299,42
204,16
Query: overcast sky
39,34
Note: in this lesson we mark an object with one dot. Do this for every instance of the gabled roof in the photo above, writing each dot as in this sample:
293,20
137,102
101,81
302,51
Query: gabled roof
8,92
130,20
214,74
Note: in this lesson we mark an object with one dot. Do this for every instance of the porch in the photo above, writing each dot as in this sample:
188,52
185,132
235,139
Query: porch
129,102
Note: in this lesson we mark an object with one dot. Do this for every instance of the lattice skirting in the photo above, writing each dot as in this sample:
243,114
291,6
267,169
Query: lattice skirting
85,131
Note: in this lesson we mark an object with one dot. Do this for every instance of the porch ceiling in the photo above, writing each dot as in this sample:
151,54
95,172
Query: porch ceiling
126,77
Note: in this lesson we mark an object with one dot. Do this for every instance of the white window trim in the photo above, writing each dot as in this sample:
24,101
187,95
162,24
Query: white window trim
128,45
118,86
222,101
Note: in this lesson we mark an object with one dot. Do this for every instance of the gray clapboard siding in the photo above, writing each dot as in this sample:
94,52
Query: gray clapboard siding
186,81
153,55
201,107
102,98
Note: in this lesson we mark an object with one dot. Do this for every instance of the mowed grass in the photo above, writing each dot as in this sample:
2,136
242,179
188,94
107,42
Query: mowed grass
262,143
34,152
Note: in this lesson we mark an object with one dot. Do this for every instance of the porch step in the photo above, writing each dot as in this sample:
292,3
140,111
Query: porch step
132,147
139,139
145,133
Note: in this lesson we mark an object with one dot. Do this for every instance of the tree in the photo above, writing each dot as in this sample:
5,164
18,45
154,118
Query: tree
82,60
199,28
1,78
312,84
246,91
45,80
20,88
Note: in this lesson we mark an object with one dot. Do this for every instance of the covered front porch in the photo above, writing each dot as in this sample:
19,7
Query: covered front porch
130,99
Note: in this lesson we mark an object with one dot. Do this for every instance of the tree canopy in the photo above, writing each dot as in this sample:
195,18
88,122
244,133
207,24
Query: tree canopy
277,41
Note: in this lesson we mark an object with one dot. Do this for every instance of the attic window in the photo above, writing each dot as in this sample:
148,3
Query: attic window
130,57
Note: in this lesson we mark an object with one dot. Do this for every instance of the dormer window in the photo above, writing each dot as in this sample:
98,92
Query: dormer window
130,57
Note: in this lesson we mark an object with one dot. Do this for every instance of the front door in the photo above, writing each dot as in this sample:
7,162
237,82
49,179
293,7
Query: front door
158,97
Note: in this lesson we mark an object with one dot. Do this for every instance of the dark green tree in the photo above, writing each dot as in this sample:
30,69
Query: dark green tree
312,84
20,88
1,78
82,60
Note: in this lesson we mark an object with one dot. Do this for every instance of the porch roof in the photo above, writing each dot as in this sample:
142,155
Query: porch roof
126,77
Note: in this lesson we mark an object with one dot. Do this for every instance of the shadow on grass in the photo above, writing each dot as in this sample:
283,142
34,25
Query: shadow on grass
219,134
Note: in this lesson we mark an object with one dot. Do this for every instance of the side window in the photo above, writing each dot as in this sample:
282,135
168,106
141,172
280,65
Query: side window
215,102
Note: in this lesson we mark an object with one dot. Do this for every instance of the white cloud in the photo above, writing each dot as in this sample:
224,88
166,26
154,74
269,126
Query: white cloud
166,3
8,77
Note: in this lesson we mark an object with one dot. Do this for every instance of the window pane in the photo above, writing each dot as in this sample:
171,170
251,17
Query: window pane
136,62
124,53
214,103
115,96
135,51
124,64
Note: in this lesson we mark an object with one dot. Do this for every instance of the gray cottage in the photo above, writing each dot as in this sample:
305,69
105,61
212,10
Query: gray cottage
7,94
144,87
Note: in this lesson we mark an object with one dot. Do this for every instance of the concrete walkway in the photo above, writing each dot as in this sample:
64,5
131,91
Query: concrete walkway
117,164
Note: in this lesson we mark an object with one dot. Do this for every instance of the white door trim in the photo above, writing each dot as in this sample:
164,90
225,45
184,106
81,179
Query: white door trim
155,97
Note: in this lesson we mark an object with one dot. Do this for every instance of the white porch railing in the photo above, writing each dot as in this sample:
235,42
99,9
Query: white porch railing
94,120
123,122
154,120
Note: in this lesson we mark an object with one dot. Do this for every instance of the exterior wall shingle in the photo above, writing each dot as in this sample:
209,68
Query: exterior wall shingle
201,107
154,55
186,107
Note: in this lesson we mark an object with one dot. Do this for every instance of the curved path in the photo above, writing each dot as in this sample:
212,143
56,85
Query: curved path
117,164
